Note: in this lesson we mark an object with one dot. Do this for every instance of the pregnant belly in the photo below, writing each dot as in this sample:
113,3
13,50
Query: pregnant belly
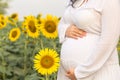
77,51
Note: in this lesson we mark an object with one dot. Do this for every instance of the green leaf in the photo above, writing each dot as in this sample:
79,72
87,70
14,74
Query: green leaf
2,69
8,71
18,71
34,77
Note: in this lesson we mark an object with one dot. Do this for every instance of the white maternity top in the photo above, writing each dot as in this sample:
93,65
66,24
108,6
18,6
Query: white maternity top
101,20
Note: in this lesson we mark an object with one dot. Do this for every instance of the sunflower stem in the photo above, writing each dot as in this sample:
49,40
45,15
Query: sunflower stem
54,76
25,58
54,44
36,44
3,62
47,77
41,43
15,24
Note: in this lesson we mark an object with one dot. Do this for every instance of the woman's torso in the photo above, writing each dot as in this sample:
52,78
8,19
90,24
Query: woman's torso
84,17
74,52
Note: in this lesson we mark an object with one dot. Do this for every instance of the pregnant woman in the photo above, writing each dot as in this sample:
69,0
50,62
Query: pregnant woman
89,32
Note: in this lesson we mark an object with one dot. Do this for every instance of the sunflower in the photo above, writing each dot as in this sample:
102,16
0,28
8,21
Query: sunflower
3,21
49,26
30,24
2,24
39,20
39,16
2,17
46,61
14,34
39,23
14,16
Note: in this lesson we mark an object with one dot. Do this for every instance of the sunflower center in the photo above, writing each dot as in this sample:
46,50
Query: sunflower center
31,26
14,16
2,22
0,25
50,26
47,61
2,18
39,22
14,34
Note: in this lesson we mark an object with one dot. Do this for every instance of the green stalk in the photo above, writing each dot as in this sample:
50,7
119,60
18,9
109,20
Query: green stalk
46,77
3,59
14,74
25,59
3,63
41,43
4,77
55,76
54,44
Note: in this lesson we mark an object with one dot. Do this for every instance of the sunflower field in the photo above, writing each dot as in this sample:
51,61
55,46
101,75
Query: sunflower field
29,49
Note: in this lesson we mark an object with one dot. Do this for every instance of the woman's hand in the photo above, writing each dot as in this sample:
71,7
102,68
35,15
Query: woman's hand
70,74
75,32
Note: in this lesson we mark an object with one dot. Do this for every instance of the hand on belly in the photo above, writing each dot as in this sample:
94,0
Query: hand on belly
70,74
74,32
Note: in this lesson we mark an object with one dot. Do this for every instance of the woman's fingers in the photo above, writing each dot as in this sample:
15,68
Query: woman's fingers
79,32
74,35
70,74
75,32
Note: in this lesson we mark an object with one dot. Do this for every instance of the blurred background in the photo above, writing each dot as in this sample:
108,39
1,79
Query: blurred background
26,28
34,7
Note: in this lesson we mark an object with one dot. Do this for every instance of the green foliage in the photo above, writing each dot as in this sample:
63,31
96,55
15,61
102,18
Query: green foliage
16,58
3,6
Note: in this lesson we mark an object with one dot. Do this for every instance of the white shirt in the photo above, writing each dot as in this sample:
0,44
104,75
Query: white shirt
107,20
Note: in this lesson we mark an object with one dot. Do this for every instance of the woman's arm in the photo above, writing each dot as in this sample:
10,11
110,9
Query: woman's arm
69,30
107,43
62,26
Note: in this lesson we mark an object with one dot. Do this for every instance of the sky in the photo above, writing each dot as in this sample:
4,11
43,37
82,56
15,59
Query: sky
34,7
